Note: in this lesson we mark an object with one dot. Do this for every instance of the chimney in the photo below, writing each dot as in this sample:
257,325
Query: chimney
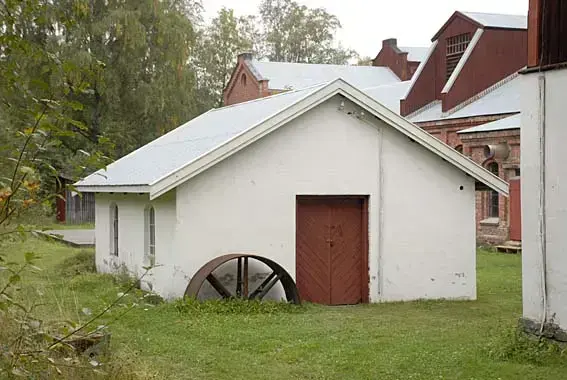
390,42
248,56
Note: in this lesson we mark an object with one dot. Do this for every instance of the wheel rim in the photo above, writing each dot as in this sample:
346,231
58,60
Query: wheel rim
242,289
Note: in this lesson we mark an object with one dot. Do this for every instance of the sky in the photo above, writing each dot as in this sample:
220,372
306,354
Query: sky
365,23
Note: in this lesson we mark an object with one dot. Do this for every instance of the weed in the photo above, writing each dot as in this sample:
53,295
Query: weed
235,306
516,346
124,278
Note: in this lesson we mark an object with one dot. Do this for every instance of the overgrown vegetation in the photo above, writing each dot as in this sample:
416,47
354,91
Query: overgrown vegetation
63,342
82,262
514,345
236,340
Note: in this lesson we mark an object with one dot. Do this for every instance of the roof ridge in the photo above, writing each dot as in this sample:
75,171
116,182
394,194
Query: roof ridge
407,82
423,109
479,95
287,92
254,70
492,13
322,64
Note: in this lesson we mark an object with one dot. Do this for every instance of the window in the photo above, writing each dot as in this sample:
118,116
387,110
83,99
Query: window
150,236
494,201
517,172
243,79
114,229
456,47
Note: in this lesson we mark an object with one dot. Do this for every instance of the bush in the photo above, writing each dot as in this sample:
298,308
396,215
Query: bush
83,262
235,306
517,346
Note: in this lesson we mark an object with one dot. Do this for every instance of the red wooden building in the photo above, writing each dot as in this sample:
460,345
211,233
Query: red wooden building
403,61
466,92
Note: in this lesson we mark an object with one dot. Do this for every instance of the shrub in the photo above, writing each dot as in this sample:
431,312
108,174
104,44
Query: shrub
515,345
83,262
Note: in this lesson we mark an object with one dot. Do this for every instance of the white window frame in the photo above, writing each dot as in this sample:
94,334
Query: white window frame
150,235
114,230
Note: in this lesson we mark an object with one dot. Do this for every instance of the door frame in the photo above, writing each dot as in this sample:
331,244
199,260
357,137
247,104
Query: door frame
364,270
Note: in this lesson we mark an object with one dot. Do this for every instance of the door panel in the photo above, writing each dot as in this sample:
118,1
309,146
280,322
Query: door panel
346,252
312,251
331,251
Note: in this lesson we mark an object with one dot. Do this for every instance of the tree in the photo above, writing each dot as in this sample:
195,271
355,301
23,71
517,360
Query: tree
147,87
219,44
37,106
294,33
364,61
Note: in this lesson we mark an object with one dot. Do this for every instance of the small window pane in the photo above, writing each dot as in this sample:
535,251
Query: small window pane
151,235
114,230
494,199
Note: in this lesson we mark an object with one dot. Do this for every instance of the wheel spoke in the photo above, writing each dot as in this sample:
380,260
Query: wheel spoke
220,288
239,277
266,285
262,285
245,275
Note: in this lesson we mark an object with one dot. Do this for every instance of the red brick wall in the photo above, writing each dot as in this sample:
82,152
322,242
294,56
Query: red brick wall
474,147
241,90
475,144
446,130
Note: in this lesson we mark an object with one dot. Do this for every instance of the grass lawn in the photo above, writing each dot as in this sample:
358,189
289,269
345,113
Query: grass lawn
418,340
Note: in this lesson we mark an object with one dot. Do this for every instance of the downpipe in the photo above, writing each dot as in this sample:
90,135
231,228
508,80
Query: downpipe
542,199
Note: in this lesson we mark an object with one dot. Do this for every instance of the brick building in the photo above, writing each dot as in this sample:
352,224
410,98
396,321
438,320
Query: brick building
403,61
463,89
252,79
466,92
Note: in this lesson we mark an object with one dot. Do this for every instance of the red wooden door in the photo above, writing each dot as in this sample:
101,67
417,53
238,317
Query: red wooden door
515,210
331,250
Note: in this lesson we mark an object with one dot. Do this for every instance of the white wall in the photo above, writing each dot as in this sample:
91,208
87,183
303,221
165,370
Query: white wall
429,234
247,204
555,195
132,242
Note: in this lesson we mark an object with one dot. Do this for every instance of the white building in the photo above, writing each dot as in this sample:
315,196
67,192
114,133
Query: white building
544,174
354,201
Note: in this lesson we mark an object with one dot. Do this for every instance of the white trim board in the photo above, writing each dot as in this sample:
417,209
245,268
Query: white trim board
114,189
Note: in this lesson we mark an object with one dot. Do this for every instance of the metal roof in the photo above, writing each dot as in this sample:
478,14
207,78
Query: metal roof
190,141
172,159
285,75
495,20
502,98
416,54
510,122
389,95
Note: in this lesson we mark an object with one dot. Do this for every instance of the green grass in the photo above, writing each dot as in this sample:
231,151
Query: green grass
62,226
417,340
